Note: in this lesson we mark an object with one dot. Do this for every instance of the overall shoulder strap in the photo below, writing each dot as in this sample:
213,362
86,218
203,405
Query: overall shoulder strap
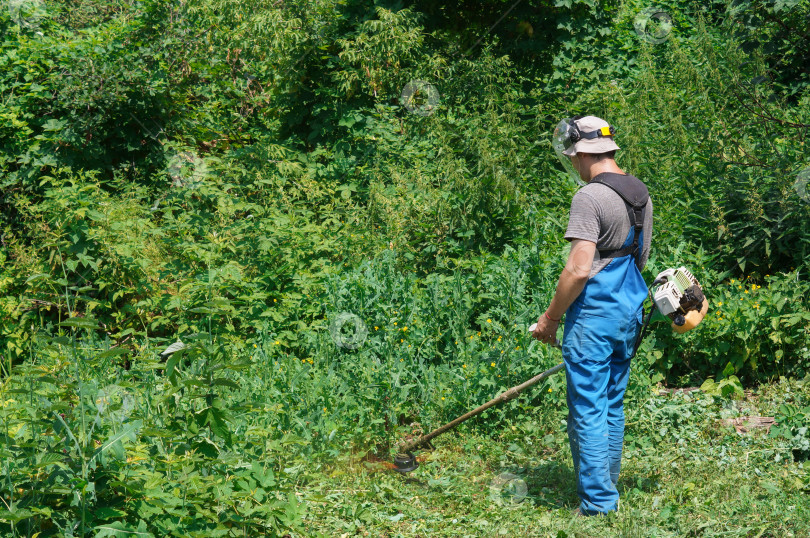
635,196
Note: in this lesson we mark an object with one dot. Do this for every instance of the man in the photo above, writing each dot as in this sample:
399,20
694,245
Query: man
600,292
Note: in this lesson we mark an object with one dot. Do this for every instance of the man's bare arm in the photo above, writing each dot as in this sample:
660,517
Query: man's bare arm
571,283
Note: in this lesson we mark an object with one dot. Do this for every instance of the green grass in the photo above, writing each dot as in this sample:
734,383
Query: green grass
256,442
701,478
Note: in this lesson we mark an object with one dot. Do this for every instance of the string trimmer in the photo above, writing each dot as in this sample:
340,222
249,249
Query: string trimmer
678,296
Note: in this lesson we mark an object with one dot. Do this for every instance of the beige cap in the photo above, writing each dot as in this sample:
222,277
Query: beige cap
591,145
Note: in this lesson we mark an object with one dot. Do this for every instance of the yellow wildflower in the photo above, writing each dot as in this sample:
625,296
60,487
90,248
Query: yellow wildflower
492,364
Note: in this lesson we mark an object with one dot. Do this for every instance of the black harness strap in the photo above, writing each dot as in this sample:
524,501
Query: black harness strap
635,196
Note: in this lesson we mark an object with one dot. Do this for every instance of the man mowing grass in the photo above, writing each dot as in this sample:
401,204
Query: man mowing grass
600,292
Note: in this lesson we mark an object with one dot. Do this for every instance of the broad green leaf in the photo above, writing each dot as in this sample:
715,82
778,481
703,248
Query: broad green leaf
37,277
118,529
128,433
222,382
80,323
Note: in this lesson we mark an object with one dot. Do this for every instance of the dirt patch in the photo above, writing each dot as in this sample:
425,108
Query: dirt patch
746,424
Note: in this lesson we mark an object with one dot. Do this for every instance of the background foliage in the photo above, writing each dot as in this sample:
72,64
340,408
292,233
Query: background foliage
241,176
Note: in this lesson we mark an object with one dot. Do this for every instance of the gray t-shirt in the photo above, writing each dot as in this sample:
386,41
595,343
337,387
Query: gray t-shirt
599,214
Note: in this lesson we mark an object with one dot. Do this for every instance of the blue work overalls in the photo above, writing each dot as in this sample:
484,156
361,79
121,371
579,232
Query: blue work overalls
600,330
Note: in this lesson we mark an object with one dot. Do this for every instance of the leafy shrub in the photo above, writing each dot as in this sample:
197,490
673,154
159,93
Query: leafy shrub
793,424
728,387
88,446
752,330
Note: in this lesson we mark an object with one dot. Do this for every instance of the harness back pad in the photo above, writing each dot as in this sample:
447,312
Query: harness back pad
635,196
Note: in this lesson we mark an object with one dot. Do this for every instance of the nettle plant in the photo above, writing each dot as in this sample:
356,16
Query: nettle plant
793,423
434,348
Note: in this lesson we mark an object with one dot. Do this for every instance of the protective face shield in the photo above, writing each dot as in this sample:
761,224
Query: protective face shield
561,141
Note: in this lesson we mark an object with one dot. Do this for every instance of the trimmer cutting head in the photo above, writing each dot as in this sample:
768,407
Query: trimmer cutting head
405,463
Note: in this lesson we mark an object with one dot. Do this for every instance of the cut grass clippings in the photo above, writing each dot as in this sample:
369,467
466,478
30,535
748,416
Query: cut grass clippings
702,478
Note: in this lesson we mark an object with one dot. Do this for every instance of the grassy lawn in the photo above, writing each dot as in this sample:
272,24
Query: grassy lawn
686,472
694,464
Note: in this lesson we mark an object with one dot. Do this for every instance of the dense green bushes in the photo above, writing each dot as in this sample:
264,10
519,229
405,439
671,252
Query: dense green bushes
250,163
89,448
343,264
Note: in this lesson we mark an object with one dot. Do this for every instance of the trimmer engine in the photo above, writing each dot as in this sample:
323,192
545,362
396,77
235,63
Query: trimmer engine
680,297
